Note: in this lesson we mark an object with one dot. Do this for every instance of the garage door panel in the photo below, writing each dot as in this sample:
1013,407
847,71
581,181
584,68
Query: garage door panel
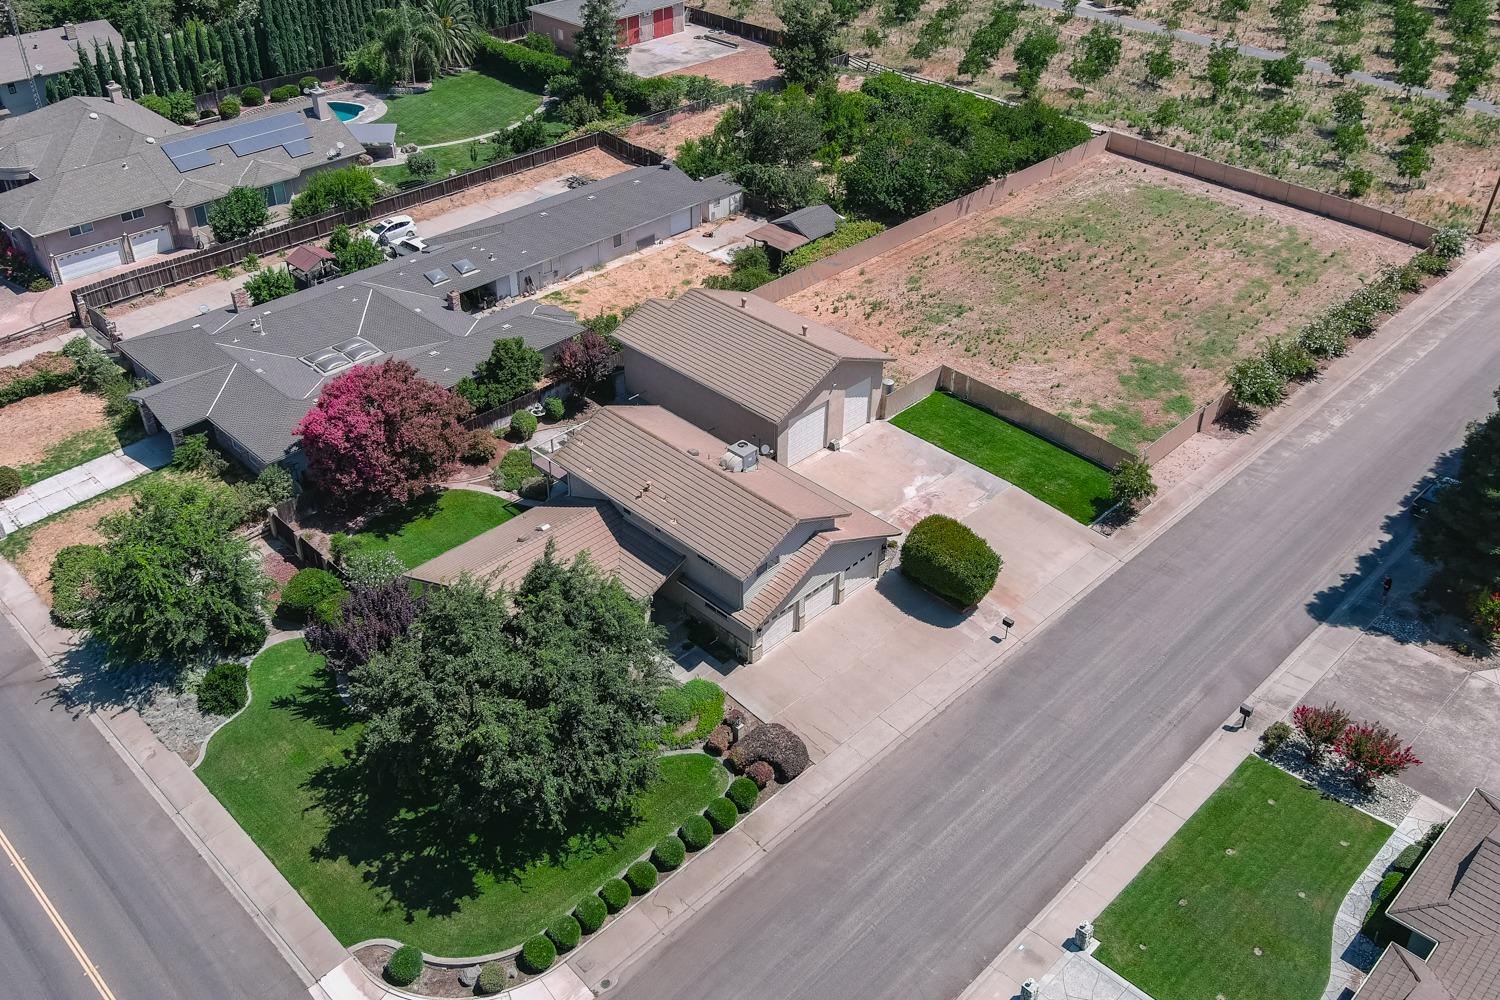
680,222
856,406
862,572
78,263
151,242
807,434
817,602
778,630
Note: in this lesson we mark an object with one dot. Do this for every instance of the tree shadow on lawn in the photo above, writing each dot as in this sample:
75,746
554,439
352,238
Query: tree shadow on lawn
390,524
421,856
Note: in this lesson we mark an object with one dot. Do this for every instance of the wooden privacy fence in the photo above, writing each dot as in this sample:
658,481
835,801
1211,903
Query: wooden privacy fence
729,25
142,281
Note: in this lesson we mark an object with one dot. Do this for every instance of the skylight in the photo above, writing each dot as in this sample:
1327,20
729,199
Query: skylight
465,266
436,276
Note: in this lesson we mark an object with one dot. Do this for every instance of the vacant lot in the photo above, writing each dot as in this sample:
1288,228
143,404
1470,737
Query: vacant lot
1240,903
661,275
1114,295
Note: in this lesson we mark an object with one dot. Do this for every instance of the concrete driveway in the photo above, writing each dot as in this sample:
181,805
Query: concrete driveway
892,652
686,48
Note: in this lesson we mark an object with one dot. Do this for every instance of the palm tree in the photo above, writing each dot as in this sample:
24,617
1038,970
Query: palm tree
406,38
456,27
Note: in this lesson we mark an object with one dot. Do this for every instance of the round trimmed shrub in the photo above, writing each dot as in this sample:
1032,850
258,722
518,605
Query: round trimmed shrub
229,108
761,773
10,482
491,979
537,955
743,792
404,967
696,833
222,689
641,877
522,425
590,913
669,853
308,82
306,590
554,407
949,559
72,584
616,894
565,932
721,815
252,97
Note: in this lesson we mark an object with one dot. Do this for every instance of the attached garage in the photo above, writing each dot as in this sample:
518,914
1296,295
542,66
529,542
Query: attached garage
818,601
662,22
151,242
862,572
779,629
807,434
857,406
90,260
680,222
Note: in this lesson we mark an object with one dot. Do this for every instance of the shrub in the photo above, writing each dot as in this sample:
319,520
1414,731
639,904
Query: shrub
522,425
721,815
696,833
422,166
668,853
518,64
270,283
514,469
10,482
1291,359
306,590
1324,338
1484,612
307,83
776,745
590,913
72,581
844,236
761,773
718,741
537,955
1319,728
1405,278
554,407
1428,262
698,701
404,967
616,894
252,97
479,449
949,559
1372,751
222,689
229,108
1255,381
1450,242
195,454
641,877
284,93
38,284
743,792
491,979
1275,735
565,932
1131,483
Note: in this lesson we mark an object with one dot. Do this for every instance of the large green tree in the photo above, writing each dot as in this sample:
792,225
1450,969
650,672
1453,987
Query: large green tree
175,581
811,41
598,61
1461,533
238,214
537,707
511,370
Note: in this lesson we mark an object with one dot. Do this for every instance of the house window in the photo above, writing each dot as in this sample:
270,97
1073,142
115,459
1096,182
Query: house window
10,88
275,194
132,215
200,214
87,227
619,239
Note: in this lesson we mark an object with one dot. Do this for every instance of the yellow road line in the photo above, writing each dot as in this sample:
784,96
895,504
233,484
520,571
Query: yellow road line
89,969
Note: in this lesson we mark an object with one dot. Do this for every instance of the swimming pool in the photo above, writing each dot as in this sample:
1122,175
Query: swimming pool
346,110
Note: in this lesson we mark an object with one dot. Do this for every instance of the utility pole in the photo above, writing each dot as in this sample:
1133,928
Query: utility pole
15,30
1488,208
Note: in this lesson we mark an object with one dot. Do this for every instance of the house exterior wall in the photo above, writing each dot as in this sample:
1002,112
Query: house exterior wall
831,566
44,249
560,32
831,391
695,403
16,96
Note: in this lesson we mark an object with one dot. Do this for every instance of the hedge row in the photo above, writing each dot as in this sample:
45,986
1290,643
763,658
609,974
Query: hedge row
517,64
949,559
43,374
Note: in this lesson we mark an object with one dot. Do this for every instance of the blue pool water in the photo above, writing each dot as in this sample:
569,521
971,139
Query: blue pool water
346,110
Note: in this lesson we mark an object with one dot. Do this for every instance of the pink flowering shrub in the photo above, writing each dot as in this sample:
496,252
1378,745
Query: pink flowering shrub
1372,751
1319,728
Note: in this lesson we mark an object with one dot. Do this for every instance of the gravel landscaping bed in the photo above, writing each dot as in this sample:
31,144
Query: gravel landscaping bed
1389,800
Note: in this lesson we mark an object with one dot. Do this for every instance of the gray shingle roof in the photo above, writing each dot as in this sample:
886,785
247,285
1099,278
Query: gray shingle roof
49,52
93,158
814,221
754,354
251,383
571,11
502,555
1452,899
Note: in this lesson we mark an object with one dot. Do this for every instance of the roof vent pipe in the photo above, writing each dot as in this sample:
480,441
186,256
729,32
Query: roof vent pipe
744,301
804,329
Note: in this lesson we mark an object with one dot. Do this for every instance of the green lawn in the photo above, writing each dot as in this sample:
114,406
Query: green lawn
458,107
448,158
79,448
1075,486
371,869
435,523
1242,874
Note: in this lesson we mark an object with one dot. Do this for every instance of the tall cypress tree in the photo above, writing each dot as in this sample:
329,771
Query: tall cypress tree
134,86
101,69
275,50
51,90
254,39
88,75
159,82
187,64
169,62
116,70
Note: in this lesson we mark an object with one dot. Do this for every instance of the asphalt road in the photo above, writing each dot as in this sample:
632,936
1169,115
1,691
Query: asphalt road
914,878
139,900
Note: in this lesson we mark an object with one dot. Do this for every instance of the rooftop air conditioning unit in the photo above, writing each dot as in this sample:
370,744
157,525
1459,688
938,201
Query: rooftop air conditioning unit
741,456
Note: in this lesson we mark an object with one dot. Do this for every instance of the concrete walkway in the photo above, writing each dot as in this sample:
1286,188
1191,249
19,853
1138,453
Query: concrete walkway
1142,26
84,482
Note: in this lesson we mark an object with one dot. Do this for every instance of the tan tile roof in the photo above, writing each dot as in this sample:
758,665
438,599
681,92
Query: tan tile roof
757,354
782,239
1453,899
502,555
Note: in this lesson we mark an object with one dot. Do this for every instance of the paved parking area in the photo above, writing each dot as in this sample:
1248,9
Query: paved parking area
688,47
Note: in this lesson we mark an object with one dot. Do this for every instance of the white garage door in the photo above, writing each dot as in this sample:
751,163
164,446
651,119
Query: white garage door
151,242
77,263
807,435
680,222
856,407
817,602
861,573
778,630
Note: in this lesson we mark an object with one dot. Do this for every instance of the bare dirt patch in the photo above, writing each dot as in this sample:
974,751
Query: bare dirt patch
752,64
79,526
30,427
665,274
668,137
594,164
1114,295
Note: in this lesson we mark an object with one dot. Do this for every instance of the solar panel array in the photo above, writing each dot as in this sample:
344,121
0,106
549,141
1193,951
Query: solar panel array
289,130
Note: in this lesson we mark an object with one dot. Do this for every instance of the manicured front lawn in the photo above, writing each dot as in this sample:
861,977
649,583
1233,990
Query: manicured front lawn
435,523
1075,486
1263,865
458,107
370,869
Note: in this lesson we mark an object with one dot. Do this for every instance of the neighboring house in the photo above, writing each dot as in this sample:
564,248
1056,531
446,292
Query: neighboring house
252,373
744,368
92,182
635,21
781,236
763,550
1451,905
41,55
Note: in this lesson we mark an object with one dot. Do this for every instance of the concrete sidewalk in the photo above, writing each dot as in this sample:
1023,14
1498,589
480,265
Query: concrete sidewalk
84,482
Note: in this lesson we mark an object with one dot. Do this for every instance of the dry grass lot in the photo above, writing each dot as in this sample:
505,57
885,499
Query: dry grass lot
1115,295
664,274
30,428
78,526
